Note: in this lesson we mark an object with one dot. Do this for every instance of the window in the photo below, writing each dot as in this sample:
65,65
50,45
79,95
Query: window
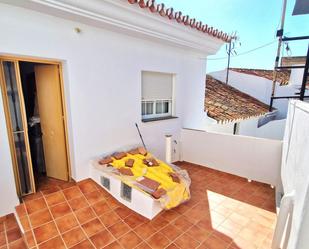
157,95
126,192
105,182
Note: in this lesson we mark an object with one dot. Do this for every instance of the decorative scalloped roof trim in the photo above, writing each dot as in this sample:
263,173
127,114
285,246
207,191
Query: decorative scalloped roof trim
227,121
171,14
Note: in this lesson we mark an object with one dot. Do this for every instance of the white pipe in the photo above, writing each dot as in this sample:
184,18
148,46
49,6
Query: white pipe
168,148
285,213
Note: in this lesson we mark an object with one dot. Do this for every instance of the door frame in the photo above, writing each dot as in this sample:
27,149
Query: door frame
16,60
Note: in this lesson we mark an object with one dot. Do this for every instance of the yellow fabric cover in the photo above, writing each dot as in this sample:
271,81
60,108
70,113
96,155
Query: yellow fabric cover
176,192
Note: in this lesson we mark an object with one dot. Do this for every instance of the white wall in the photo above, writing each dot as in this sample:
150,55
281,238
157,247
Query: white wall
102,77
295,171
254,158
227,128
7,183
271,130
249,127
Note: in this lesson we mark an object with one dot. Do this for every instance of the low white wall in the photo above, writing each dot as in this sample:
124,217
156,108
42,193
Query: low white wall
254,158
271,130
213,126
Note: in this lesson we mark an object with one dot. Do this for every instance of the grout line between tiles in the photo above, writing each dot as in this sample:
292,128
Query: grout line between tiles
5,233
115,239
53,220
79,225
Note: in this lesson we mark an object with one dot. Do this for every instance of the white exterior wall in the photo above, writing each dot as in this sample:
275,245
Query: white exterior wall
249,127
220,128
271,130
102,78
213,126
295,172
253,158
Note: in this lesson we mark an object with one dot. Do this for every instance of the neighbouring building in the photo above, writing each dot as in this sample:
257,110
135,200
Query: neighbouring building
231,111
258,84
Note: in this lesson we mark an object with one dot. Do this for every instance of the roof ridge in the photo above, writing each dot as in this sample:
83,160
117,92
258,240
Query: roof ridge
245,68
171,14
283,75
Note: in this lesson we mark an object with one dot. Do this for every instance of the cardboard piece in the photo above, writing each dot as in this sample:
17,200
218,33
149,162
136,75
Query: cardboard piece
134,151
129,162
149,183
106,160
159,193
151,162
119,155
174,177
125,171
142,151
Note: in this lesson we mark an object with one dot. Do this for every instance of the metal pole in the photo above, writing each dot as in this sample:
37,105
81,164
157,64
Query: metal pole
228,62
280,34
140,135
305,77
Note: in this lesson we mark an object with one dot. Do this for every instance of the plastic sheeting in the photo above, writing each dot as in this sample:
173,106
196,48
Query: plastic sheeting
176,192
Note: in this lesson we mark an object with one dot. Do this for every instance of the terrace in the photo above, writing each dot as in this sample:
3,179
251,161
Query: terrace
91,73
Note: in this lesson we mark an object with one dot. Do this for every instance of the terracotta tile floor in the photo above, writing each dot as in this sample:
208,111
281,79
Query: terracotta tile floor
225,211
10,235
43,182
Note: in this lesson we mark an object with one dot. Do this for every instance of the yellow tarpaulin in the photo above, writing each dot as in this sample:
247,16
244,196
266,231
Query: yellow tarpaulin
176,192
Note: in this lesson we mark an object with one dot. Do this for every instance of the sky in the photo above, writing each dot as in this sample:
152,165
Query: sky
255,21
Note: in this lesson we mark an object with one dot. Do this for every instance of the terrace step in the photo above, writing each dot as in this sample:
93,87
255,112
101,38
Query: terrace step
24,225
11,235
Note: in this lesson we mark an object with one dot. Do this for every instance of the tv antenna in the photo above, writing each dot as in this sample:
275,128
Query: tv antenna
231,50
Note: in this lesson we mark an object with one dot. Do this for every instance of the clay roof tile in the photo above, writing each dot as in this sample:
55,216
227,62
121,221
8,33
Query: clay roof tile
180,18
226,104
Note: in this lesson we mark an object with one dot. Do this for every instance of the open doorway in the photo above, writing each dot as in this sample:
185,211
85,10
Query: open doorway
27,76
34,106
46,133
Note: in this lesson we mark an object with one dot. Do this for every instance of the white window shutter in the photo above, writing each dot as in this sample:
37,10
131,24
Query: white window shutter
157,86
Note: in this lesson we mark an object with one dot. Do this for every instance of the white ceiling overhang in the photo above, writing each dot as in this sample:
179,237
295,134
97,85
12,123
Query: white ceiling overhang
120,16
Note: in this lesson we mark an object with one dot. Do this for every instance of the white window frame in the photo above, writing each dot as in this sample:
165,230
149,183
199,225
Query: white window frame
171,102
154,113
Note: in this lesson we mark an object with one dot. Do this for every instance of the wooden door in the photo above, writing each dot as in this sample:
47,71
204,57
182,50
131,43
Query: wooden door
52,120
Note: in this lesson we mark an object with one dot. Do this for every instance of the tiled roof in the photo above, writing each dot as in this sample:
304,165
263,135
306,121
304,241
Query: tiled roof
179,17
283,76
293,60
226,104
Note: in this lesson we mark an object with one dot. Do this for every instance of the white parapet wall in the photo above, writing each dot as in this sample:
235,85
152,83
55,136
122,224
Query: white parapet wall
253,158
